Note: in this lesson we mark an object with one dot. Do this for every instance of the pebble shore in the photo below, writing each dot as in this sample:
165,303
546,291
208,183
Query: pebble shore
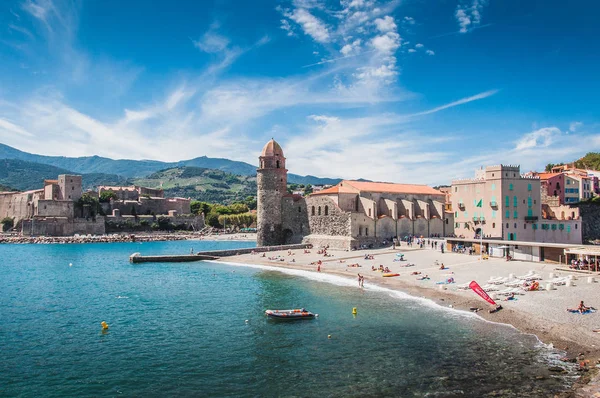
95,238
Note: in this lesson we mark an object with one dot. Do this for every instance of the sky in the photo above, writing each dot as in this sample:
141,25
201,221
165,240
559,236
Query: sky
414,91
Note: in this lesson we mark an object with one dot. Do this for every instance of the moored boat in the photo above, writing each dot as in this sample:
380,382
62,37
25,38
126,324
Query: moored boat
290,314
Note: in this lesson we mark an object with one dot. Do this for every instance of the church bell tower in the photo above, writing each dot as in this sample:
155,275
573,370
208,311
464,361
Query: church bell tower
271,181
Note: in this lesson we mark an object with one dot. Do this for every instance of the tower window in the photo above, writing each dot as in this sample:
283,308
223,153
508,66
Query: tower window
278,164
299,209
319,210
326,210
312,213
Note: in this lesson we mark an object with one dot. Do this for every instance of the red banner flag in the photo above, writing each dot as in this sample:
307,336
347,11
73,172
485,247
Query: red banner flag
477,289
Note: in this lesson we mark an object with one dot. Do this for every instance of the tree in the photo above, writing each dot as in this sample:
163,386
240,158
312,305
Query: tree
107,196
238,208
91,201
308,189
549,166
198,207
250,201
7,223
212,219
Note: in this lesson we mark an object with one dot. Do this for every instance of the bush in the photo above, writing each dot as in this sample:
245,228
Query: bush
7,223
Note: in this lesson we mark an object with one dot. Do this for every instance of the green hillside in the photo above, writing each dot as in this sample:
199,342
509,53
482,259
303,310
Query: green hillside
202,184
590,161
24,176
4,188
140,168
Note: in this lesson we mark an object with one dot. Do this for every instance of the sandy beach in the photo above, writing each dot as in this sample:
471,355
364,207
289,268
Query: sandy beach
543,313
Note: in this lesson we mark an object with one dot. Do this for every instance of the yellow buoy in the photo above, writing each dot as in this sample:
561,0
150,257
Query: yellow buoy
354,312
104,325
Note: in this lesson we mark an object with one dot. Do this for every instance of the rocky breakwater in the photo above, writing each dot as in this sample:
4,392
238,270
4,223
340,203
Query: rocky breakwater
95,238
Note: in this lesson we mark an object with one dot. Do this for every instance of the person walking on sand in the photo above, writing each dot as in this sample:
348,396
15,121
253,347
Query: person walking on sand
359,280
362,281
319,268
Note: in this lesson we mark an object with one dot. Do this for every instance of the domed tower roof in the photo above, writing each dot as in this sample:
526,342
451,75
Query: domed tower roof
272,149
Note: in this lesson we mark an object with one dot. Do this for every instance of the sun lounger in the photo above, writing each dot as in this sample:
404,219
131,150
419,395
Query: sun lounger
490,288
515,283
559,281
464,286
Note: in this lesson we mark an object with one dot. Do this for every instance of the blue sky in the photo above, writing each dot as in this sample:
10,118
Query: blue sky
403,91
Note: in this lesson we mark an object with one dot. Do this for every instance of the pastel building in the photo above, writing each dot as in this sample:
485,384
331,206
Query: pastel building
500,203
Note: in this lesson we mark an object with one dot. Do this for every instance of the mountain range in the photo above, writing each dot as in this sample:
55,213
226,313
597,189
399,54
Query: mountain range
131,169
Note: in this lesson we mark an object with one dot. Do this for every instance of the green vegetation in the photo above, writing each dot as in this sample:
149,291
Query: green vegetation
7,223
26,176
4,188
202,184
218,216
590,161
106,196
90,201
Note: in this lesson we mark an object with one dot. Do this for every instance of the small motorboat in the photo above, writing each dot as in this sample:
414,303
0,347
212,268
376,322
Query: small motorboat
389,275
290,314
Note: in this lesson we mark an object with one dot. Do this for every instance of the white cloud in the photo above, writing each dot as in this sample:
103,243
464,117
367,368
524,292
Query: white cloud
12,128
412,50
409,20
539,138
430,52
387,43
574,126
212,42
468,14
419,45
385,24
351,48
311,25
285,25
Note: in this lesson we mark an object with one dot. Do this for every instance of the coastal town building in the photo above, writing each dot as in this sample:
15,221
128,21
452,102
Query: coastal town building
348,215
500,203
54,211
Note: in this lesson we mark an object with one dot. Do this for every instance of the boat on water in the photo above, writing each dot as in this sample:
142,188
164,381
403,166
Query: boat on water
290,314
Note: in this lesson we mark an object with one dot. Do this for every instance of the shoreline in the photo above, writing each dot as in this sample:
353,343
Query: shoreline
124,237
546,326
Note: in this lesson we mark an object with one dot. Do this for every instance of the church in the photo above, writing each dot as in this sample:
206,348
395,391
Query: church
347,216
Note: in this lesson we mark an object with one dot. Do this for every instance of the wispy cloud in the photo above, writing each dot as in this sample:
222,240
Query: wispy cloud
476,97
468,14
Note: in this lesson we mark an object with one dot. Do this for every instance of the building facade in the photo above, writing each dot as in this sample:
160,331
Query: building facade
348,215
500,203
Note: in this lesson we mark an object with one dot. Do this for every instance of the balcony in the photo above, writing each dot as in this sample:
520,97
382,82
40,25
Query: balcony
531,218
494,204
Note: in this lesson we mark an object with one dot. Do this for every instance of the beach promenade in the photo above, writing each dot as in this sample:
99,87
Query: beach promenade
543,313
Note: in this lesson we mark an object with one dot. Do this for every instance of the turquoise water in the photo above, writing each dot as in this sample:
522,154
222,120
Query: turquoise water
180,330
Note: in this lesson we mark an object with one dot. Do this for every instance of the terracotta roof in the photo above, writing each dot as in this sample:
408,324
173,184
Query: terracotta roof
348,186
547,176
328,191
46,182
272,149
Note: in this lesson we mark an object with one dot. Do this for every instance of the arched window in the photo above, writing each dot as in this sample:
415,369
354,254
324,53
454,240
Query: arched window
278,164
319,210
573,215
299,209
557,185
369,212
326,210
312,213
493,225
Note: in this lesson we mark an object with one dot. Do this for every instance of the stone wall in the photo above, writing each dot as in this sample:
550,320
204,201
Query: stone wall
271,186
129,223
56,208
18,205
590,216
62,226
331,221
147,206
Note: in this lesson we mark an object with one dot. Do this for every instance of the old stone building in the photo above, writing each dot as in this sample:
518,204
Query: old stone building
346,216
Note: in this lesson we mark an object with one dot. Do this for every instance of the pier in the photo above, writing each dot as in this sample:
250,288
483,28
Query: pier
136,258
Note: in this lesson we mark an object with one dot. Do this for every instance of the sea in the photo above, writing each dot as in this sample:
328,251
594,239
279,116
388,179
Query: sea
199,330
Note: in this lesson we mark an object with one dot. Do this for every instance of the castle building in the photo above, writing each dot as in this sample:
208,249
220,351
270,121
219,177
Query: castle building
348,215
500,203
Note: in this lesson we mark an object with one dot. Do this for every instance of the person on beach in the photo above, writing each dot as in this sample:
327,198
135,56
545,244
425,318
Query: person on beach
359,279
442,267
581,308
319,268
